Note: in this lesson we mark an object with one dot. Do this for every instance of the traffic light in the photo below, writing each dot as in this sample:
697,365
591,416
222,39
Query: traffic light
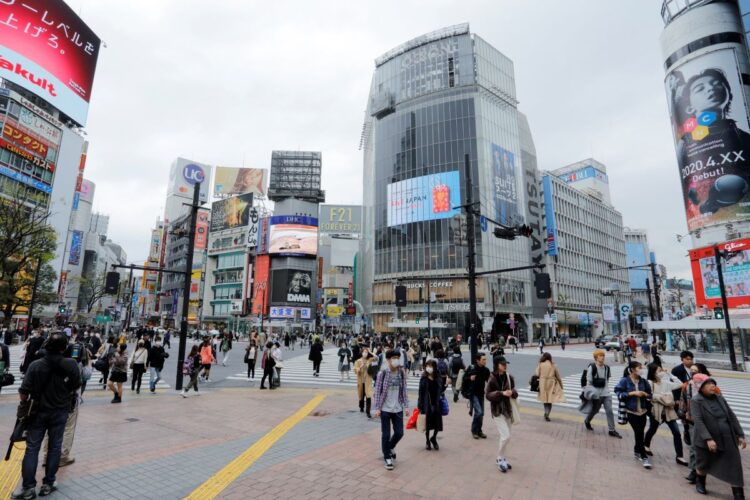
62,308
718,313
112,283
400,296
542,286
505,233
525,230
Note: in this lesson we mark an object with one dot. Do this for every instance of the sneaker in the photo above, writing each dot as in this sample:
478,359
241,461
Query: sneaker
482,435
47,489
648,451
388,465
502,467
23,494
393,454
184,394
615,434
646,462
588,425
507,464
475,436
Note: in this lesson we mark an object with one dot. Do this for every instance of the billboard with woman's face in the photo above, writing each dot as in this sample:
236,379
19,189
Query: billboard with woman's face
712,137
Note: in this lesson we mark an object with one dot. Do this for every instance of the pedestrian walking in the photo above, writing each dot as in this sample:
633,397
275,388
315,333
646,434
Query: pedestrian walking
563,341
207,358
156,357
597,388
685,413
513,341
718,438
635,391
167,338
226,347
646,351
49,385
391,405
478,374
316,356
550,384
103,357
191,367
663,409
118,372
365,368
457,369
138,365
251,355
267,363
278,360
429,403
541,345
345,358
501,393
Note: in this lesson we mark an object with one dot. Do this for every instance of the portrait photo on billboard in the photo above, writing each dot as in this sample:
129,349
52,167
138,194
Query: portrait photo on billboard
229,180
292,285
712,138
735,271
504,185
231,212
428,197
293,239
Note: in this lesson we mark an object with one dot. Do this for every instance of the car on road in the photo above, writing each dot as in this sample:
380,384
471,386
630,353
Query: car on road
608,342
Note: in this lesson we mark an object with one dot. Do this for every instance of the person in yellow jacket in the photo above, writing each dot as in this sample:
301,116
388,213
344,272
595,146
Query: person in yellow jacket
364,379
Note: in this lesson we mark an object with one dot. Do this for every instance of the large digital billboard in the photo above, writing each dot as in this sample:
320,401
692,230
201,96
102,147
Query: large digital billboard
231,212
48,50
429,197
504,186
229,180
291,286
293,235
712,138
736,271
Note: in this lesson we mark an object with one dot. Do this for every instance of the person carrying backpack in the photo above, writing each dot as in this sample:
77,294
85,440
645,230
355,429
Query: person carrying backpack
456,372
596,377
443,369
156,357
191,367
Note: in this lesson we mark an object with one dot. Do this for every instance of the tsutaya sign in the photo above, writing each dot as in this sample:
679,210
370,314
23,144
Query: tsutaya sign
423,284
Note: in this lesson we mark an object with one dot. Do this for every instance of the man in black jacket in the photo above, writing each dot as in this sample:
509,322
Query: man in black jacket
478,375
156,357
50,383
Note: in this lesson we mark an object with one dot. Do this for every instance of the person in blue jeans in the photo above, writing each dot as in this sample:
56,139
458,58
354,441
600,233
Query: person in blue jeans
478,376
391,405
51,382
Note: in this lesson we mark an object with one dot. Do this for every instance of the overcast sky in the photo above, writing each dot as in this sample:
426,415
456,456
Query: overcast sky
226,82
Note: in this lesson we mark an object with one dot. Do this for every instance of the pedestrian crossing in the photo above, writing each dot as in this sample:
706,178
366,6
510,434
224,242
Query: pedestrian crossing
582,353
93,383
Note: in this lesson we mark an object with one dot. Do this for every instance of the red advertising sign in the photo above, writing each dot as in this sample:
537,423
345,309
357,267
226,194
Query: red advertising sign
24,140
735,269
201,230
47,49
26,155
260,284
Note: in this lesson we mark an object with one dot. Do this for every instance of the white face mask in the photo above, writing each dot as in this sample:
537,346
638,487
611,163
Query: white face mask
395,362
643,372
661,375
428,369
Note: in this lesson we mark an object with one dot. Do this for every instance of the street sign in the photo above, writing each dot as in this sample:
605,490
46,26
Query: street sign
625,309
483,223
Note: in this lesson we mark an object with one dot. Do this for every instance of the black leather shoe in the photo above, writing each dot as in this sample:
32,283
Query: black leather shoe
738,493
691,477
700,484
588,425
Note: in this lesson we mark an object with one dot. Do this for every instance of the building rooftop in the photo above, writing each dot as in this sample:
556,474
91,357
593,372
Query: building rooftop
447,32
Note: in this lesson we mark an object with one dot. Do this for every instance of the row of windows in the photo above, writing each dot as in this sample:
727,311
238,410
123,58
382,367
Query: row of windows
228,277
228,292
221,309
231,260
26,167
13,188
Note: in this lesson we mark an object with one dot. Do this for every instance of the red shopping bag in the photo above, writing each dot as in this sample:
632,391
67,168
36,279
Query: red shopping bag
412,422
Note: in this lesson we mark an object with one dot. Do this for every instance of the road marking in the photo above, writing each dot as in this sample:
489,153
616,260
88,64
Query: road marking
10,471
224,477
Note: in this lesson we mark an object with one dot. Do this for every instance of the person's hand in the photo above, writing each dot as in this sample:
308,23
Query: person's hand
377,413
711,445
507,393
472,377
742,443
406,412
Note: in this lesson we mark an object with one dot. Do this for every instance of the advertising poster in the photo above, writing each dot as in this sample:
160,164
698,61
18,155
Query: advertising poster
504,186
292,286
293,235
39,126
48,50
340,219
183,176
549,214
87,191
736,271
252,228
429,197
260,284
712,138
228,180
201,230
608,312
231,213
76,242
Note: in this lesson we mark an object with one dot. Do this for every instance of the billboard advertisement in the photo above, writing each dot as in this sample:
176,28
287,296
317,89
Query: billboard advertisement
736,270
87,191
76,242
637,255
549,214
504,186
229,180
231,212
39,126
429,197
293,235
252,228
340,219
183,176
260,284
291,285
37,147
48,50
303,313
712,138
201,230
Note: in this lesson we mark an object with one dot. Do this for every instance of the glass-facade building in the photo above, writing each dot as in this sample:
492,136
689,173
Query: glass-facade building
434,100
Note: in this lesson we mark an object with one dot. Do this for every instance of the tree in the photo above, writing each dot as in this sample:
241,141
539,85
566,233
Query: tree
27,244
92,290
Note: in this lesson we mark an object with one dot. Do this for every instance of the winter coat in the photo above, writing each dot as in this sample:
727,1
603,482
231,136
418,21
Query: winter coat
499,404
364,378
550,383
429,402
714,419
316,352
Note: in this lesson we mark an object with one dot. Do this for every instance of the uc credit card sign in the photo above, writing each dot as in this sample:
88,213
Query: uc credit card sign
429,197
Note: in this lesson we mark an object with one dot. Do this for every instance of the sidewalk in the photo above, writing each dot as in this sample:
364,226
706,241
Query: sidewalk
165,447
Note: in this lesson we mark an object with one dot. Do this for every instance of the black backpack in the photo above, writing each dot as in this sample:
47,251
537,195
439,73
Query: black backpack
467,385
597,381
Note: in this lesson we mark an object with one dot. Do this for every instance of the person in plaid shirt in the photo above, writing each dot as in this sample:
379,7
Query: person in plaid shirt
391,405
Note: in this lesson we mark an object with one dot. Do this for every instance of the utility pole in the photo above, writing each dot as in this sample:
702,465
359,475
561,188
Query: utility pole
656,290
188,280
650,308
33,297
725,307
131,285
471,259
429,303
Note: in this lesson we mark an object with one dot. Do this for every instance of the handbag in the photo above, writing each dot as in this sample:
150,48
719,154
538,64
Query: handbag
515,409
8,379
86,373
412,422
534,383
622,413
421,422
444,406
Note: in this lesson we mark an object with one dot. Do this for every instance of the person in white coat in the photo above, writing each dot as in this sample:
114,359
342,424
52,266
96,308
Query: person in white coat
663,408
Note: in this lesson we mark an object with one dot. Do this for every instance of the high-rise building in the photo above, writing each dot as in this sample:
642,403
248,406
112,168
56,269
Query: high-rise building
642,287
434,100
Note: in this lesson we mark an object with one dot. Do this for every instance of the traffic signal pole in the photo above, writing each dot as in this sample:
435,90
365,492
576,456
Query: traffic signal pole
471,242
725,307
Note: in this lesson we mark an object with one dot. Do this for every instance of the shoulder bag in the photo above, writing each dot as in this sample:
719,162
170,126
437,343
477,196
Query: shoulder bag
515,416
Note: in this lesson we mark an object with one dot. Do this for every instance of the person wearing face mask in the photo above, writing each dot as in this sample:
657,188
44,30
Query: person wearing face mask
138,364
685,413
430,391
501,390
718,438
364,367
635,391
391,405
663,409
156,357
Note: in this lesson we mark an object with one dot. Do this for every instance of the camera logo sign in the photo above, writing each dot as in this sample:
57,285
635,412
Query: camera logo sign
193,174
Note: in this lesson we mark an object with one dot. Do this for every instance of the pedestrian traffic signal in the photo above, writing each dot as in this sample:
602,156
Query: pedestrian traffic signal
718,313
542,286
505,233
112,283
400,296
525,230
62,309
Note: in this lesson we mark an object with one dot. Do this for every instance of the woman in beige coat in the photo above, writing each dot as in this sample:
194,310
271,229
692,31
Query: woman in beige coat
362,368
550,384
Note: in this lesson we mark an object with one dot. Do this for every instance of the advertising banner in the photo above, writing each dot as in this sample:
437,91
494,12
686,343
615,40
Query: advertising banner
712,138
87,191
263,236
229,180
252,228
48,50
290,313
736,270
549,213
76,242
293,235
340,219
39,126
33,158
231,212
429,197
504,186
608,312
260,284
25,179
291,285
201,230
184,174
35,146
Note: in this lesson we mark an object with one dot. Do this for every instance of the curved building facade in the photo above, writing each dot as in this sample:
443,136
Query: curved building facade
433,100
